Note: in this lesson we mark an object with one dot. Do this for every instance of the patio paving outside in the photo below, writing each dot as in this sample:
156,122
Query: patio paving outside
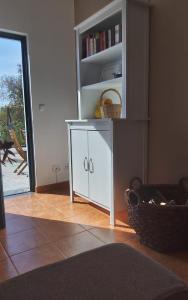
13,183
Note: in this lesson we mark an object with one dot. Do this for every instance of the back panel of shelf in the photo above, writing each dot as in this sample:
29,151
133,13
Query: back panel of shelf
90,97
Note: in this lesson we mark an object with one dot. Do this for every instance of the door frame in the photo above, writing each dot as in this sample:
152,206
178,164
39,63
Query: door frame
2,207
27,101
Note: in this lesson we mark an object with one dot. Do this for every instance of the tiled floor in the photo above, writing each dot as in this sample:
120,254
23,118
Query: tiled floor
45,228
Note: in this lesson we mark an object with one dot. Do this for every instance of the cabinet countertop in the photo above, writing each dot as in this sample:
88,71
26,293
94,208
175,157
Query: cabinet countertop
105,120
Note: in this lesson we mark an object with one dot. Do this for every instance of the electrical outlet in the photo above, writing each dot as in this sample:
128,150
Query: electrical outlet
66,167
56,169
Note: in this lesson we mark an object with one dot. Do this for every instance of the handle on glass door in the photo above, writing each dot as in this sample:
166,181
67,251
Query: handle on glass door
86,167
91,166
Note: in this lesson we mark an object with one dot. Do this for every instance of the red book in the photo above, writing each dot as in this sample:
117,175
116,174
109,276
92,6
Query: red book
91,45
101,41
84,51
88,45
104,40
97,36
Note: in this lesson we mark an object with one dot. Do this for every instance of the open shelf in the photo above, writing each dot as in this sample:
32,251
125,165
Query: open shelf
108,55
112,83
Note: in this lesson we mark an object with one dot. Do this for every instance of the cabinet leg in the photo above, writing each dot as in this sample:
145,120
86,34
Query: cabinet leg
112,218
71,196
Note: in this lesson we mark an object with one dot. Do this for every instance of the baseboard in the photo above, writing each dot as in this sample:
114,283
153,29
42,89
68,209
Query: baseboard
64,186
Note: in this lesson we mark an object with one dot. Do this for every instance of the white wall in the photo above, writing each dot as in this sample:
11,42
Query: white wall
49,26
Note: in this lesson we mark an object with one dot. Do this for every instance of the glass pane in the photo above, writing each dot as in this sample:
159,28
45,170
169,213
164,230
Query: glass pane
12,117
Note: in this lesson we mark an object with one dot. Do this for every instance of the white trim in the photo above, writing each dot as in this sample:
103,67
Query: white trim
112,83
78,74
13,32
70,164
112,192
101,15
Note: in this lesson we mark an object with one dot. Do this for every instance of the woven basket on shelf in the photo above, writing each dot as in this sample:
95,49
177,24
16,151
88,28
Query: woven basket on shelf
110,110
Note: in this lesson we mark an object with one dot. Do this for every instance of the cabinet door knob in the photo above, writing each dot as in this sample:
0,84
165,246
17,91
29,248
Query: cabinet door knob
91,166
85,163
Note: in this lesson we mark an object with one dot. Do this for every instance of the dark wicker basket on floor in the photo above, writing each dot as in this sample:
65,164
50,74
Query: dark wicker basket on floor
163,228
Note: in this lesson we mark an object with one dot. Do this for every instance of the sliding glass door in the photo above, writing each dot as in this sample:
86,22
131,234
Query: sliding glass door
17,173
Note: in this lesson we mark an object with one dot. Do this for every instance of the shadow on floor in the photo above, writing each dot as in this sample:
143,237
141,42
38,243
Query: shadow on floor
41,230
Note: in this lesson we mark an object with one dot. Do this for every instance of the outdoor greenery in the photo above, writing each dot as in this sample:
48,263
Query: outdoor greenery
11,93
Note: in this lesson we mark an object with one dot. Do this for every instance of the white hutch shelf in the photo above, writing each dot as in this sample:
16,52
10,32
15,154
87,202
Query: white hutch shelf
113,83
105,154
108,55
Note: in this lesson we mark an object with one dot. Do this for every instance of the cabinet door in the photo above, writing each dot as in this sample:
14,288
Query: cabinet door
80,161
100,166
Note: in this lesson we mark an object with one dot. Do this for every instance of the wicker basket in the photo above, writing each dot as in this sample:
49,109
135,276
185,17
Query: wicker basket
162,228
110,110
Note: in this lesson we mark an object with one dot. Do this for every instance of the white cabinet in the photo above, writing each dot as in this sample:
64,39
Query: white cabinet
104,154
100,167
80,161
91,165
103,157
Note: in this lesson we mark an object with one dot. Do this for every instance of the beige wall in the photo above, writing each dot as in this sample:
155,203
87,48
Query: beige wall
85,8
169,90
48,25
168,139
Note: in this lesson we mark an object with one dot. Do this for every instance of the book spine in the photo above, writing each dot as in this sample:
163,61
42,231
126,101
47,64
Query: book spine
97,36
101,41
109,38
113,36
104,40
117,34
94,45
91,45
87,46
84,51
120,33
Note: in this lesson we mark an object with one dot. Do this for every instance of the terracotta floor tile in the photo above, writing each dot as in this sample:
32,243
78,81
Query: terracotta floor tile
112,236
9,203
91,219
49,214
3,254
54,230
10,216
74,209
36,258
23,241
7,270
17,224
58,220
42,213
78,243
19,197
51,200
12,209
29,204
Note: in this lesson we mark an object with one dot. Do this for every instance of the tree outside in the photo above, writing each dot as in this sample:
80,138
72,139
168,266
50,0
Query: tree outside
12,105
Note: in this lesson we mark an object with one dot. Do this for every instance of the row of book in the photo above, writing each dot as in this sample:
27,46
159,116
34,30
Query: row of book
99,41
